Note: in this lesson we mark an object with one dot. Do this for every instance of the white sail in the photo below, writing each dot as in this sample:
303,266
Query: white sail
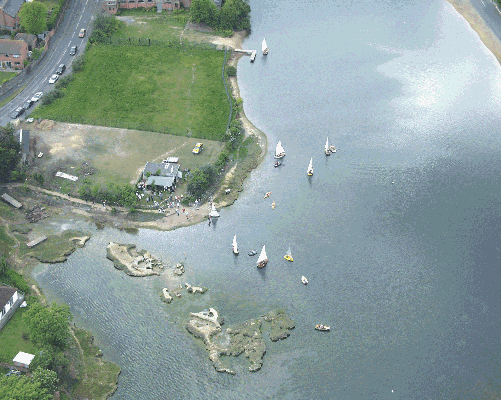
234,245
327,145
264,47
279,151
262,256
214,213
310,167
289,253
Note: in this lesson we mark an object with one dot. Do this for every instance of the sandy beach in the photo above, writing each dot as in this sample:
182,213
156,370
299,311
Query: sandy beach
478,24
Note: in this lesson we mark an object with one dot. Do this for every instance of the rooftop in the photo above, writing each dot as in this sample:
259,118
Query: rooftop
6,292
8,46
11,7
166,169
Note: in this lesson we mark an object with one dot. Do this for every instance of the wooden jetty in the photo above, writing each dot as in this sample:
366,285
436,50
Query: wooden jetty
13,202
251,53
38,240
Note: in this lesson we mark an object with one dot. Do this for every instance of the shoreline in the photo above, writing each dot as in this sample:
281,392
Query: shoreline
479,25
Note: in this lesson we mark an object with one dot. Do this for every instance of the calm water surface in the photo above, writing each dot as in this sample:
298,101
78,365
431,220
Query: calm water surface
398,232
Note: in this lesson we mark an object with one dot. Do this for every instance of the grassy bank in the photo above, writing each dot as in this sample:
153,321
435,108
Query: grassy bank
176,90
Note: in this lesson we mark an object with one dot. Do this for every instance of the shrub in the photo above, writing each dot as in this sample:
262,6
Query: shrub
64,82
78,64
231,71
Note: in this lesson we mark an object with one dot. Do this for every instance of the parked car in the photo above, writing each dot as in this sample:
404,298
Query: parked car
37,96
53,78
198,148
27,103
82,33
17,112
61,69
73,50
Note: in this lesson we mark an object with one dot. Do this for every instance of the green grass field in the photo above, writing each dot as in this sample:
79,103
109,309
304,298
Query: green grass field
149,25
155,88
5,76
11,338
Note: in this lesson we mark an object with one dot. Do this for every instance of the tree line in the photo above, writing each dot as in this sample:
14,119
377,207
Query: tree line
234,15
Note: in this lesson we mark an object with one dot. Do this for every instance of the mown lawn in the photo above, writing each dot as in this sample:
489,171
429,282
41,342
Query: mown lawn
11,338
176,90
5,76
164,27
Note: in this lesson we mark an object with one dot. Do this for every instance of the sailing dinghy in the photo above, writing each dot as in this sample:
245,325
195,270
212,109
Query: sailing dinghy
304,280
279,151
234,245
265,48
327,148
288,256
213,213
310,168
263,259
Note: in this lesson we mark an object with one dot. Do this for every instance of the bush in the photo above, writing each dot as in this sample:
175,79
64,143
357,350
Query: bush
52,96
64,82
14,279
78,64
231,71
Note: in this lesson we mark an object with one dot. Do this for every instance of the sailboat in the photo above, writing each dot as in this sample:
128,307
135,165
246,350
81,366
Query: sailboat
310,168
288,256
327,148
263,259
279,151
265,48
213,213
234,245
304,280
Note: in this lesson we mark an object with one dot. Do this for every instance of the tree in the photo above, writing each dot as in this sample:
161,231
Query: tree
46,377
234,15
48,326
33,16
9,154
204,11
22,387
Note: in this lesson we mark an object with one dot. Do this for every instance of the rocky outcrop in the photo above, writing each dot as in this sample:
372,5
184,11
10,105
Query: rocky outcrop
243,338
195,289
179,269
166,295
134,262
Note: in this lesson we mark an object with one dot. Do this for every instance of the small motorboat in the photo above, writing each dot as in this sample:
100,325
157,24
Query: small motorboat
252,253
267,194
304,280
277,164
332,148
321,327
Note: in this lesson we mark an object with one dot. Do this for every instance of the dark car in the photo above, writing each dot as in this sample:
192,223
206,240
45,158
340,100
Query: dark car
61,69
73,50
17,112
28,103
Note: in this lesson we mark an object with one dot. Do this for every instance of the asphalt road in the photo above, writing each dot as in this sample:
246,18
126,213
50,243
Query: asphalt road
78,15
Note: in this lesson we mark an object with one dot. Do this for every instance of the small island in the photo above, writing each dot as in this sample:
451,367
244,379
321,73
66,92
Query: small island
133,261
246,337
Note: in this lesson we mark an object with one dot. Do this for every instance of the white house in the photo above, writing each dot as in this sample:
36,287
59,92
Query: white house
23,360
10,299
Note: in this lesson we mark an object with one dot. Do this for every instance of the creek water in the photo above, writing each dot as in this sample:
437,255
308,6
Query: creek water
397,232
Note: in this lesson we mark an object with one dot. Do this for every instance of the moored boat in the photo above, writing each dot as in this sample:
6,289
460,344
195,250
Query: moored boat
310,168
264,47
252,253
304,280
321,327
279,150
213,213
234,245
263,259
277,164
288,256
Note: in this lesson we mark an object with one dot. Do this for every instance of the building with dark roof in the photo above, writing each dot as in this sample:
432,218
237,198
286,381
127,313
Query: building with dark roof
9,13
10,300
161,174
13,53
30,39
